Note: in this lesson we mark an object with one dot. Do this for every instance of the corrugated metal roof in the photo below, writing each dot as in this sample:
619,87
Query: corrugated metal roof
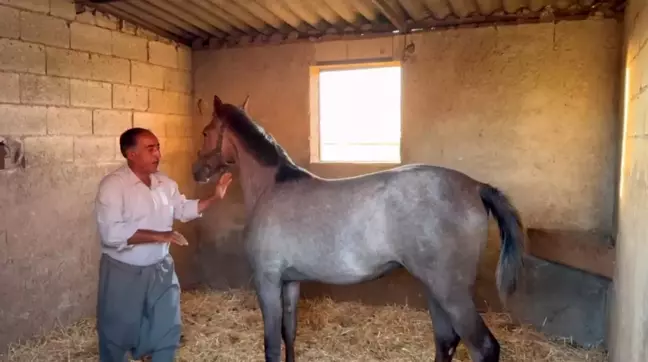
217,22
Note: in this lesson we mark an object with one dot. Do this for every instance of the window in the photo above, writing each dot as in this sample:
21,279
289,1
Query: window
356,113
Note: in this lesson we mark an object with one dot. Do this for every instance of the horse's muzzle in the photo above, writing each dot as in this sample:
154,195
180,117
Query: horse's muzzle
201,173
204,173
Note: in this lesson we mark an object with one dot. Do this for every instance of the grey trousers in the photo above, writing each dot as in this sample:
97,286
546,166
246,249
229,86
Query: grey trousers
138,311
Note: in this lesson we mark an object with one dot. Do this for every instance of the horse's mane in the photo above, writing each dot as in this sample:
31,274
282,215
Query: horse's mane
260,143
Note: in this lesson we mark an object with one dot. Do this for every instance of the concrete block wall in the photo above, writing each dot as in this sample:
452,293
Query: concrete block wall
69,85
629,320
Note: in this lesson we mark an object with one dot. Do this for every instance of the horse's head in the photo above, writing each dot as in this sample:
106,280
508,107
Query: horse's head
217,154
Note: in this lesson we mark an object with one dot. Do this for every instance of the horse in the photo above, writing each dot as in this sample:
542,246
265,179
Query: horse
430,220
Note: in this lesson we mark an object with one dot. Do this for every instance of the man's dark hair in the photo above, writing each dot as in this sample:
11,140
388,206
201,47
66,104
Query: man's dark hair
128,139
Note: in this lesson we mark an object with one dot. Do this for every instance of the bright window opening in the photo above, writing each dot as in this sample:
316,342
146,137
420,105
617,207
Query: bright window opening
358,114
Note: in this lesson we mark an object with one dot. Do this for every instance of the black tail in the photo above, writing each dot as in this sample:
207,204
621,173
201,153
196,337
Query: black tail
512,237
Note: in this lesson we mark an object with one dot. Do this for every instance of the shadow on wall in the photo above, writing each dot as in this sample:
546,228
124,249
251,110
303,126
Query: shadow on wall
221,259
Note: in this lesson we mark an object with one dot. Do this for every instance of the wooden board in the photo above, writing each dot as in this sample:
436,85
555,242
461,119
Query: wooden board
588,251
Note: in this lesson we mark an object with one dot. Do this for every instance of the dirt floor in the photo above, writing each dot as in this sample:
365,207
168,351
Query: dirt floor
227,326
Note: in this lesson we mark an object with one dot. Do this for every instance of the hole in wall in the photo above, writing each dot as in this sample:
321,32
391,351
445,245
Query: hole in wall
3,154
11,153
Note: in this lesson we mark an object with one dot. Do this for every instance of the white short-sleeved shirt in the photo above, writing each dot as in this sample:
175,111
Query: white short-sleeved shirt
124,204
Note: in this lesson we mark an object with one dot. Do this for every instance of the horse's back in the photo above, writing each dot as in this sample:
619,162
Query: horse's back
379,205
346,230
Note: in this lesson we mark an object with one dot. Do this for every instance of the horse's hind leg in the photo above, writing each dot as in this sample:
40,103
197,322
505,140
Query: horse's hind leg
459,307
269,294
445,337
470,326
290,297
450,293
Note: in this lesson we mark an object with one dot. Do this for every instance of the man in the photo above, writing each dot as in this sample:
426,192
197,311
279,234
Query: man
138,307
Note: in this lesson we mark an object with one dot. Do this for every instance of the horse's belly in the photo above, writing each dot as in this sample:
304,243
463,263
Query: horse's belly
339,274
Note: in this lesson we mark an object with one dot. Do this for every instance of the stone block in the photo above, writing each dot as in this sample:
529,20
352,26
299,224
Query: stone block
130,28
10,25
641,28
644,100
90,38
41,6
130,97
87,93
118,155
39,28
10,87
156,123
642,71
42,89
147,75
178,126
110,69
68,63
86,17
40,151
637,113
76,64
177,81
169,102
22,57
23,120
161,101
634,82
128,46
106,21
111,122
63,9
163,54
184,58
94,149
69,121
145,33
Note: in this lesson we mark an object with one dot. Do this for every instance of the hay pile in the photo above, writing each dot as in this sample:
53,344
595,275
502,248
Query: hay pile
228,327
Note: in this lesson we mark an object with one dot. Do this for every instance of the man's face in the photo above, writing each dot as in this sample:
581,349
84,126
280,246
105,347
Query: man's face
146,155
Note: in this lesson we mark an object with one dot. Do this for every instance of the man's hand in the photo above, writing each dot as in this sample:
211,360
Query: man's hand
174,237
150,236
223,183
219,193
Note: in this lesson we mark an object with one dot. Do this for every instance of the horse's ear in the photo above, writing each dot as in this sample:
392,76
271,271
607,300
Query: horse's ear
245,103
217,103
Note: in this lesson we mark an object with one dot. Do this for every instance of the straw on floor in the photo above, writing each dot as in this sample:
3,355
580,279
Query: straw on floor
227,326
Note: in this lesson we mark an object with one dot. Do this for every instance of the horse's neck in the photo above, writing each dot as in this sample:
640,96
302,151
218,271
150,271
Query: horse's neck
255,179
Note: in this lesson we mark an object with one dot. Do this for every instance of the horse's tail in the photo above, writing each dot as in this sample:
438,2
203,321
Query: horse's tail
512,237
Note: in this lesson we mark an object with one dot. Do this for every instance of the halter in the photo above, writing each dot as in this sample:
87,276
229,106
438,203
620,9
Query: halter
219,143
218,150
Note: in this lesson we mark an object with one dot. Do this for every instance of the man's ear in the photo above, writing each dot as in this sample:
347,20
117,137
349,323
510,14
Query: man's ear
130,153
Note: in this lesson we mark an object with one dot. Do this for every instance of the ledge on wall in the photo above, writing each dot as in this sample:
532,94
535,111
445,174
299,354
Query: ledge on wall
589,251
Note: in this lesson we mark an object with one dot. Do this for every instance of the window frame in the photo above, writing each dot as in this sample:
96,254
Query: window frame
314,107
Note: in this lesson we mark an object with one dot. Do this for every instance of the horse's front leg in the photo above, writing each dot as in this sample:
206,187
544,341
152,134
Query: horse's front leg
269,294
290,296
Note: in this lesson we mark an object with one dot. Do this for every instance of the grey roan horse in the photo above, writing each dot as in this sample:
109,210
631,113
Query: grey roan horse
432,221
